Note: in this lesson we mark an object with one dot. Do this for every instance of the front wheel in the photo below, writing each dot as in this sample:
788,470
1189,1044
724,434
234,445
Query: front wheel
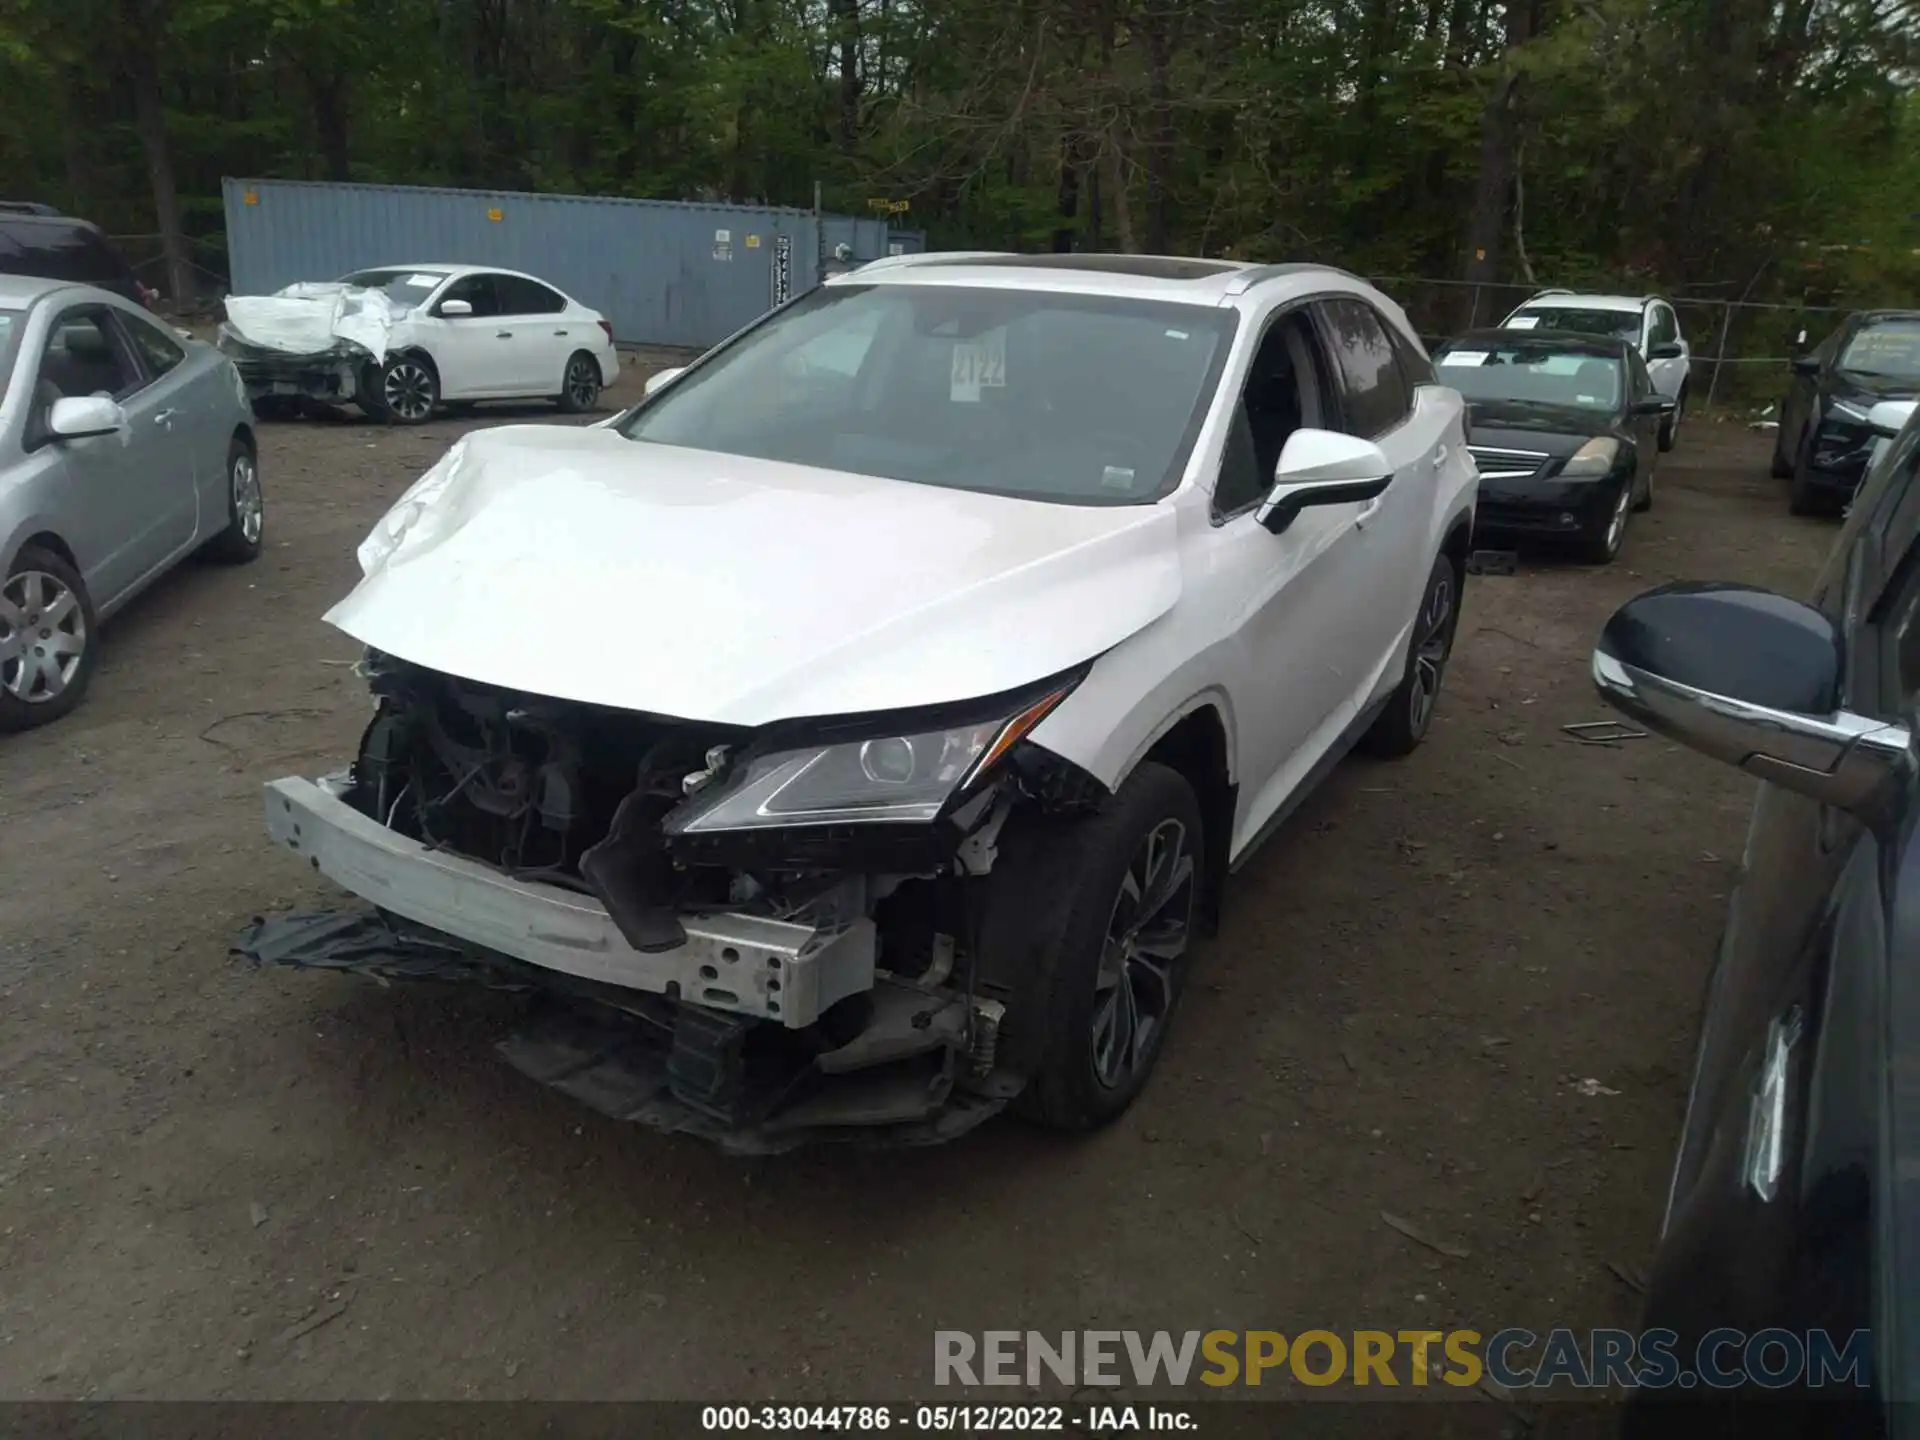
580,388
1403,724
47,640
402,391
1670,424
1121,959
1602,547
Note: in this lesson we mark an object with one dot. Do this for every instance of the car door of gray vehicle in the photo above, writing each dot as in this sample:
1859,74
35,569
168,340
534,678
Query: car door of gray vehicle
186,396
113,498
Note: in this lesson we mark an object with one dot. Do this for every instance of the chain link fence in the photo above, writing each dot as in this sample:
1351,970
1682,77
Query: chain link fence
1741,348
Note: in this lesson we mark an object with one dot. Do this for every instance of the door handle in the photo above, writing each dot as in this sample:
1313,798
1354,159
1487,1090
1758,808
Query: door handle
1366,512
1440,457
503,334
165,417
559,332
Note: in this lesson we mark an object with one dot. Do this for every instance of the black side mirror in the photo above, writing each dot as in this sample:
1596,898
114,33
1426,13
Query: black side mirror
1654,405
1806,365
1751,678
1666,350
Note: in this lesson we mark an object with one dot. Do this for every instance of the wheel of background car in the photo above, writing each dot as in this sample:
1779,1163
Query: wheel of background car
1670,424
1116,976
580,387
406,390
1782,467
1601,547
1403,723
246,507
47,649
1804,495
1645,501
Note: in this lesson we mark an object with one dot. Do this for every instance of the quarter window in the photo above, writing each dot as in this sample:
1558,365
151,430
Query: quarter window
1376,393
521,296
157,351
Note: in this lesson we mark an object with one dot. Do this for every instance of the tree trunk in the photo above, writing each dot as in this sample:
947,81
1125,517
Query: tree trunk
1115,164
1160,146
1487,215
330,121
145,25
847,16
74,132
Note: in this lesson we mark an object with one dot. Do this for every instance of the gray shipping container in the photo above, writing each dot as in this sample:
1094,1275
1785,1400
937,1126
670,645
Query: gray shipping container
664,272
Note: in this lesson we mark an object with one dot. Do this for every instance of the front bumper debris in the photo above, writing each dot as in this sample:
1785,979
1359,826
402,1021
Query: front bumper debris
905,1080
749,965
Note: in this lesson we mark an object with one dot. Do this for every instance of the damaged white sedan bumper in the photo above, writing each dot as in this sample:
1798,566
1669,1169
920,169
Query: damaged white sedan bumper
750,965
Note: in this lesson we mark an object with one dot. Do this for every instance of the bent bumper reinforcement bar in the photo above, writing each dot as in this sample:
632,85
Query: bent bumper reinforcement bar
745,964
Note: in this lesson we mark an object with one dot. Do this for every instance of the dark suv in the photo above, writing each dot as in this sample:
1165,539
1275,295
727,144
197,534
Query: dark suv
35,240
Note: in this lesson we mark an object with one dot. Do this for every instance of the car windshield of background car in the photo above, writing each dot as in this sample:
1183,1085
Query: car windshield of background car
1614,324
1071,398
1531,375
1889,349
405,288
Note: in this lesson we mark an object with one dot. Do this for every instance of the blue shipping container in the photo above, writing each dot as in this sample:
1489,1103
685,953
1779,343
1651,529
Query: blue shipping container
664,272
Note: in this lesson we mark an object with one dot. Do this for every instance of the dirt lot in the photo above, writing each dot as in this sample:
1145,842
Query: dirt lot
1412,982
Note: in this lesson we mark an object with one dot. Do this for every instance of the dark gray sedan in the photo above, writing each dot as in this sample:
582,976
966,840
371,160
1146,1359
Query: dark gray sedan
125,446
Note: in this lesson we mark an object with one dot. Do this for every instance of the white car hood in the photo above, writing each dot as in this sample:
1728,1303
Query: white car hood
574,563
311,316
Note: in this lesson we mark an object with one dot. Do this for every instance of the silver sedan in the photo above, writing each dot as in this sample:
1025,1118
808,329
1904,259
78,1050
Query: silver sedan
125,446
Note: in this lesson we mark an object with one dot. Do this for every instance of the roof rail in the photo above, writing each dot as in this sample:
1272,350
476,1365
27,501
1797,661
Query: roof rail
928,257
1551,290
1254,275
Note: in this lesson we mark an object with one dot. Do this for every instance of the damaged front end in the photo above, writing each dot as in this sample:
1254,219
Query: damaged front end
764,937
330,376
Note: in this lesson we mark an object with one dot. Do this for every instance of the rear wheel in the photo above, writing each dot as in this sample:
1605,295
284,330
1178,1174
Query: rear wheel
1670,423
580,387
1118,971
47,640
1403,724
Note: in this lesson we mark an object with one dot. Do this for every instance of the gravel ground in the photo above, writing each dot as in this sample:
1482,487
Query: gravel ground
221,1183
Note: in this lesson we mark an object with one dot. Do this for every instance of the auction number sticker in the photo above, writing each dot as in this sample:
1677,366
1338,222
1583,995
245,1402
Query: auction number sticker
978,365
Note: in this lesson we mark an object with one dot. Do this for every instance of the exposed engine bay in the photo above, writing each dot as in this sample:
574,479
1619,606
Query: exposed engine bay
760,987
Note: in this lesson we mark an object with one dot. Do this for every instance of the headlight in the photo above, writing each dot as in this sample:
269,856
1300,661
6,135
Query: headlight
888,779
1845,410
1593,458
391,533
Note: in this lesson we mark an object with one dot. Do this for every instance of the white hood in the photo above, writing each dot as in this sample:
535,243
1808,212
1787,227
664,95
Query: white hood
311,316
574,563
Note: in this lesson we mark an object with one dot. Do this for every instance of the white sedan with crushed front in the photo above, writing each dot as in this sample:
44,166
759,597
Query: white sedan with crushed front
399,340
914,668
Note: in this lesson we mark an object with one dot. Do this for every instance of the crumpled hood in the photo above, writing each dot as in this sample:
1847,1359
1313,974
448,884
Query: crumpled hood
574,563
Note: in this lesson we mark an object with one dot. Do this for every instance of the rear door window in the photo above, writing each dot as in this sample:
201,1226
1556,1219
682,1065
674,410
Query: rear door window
521,296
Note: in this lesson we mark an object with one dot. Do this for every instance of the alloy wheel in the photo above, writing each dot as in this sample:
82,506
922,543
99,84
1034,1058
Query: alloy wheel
249,508
43,637
583,383
1617,523
1435,640
1146,938
408,390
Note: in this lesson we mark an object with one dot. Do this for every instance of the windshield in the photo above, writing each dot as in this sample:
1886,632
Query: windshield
405,288
1889,348
1531,374
1615,324
1079,399
11,324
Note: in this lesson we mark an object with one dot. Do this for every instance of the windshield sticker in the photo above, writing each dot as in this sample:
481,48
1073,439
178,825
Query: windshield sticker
422,282
1464,357
1116,477
1176,335
1523,322
978,365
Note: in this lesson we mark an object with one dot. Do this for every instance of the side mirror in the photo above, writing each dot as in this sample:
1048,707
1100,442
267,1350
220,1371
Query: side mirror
1322,467
1806,365
79,416
660,379
1666,350
1890,417
1654,405
452,309
1751,678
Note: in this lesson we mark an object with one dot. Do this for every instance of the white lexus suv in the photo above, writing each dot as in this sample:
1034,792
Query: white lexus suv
858,732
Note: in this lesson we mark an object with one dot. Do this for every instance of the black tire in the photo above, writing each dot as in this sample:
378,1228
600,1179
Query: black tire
1403,723
1601,546
1644,502
580,385
1805,496
1670,424
1781,467
27,702
239,543
401,390
1072,1088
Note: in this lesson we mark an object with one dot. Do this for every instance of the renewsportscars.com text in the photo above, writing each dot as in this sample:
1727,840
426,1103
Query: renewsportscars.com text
1515,1358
